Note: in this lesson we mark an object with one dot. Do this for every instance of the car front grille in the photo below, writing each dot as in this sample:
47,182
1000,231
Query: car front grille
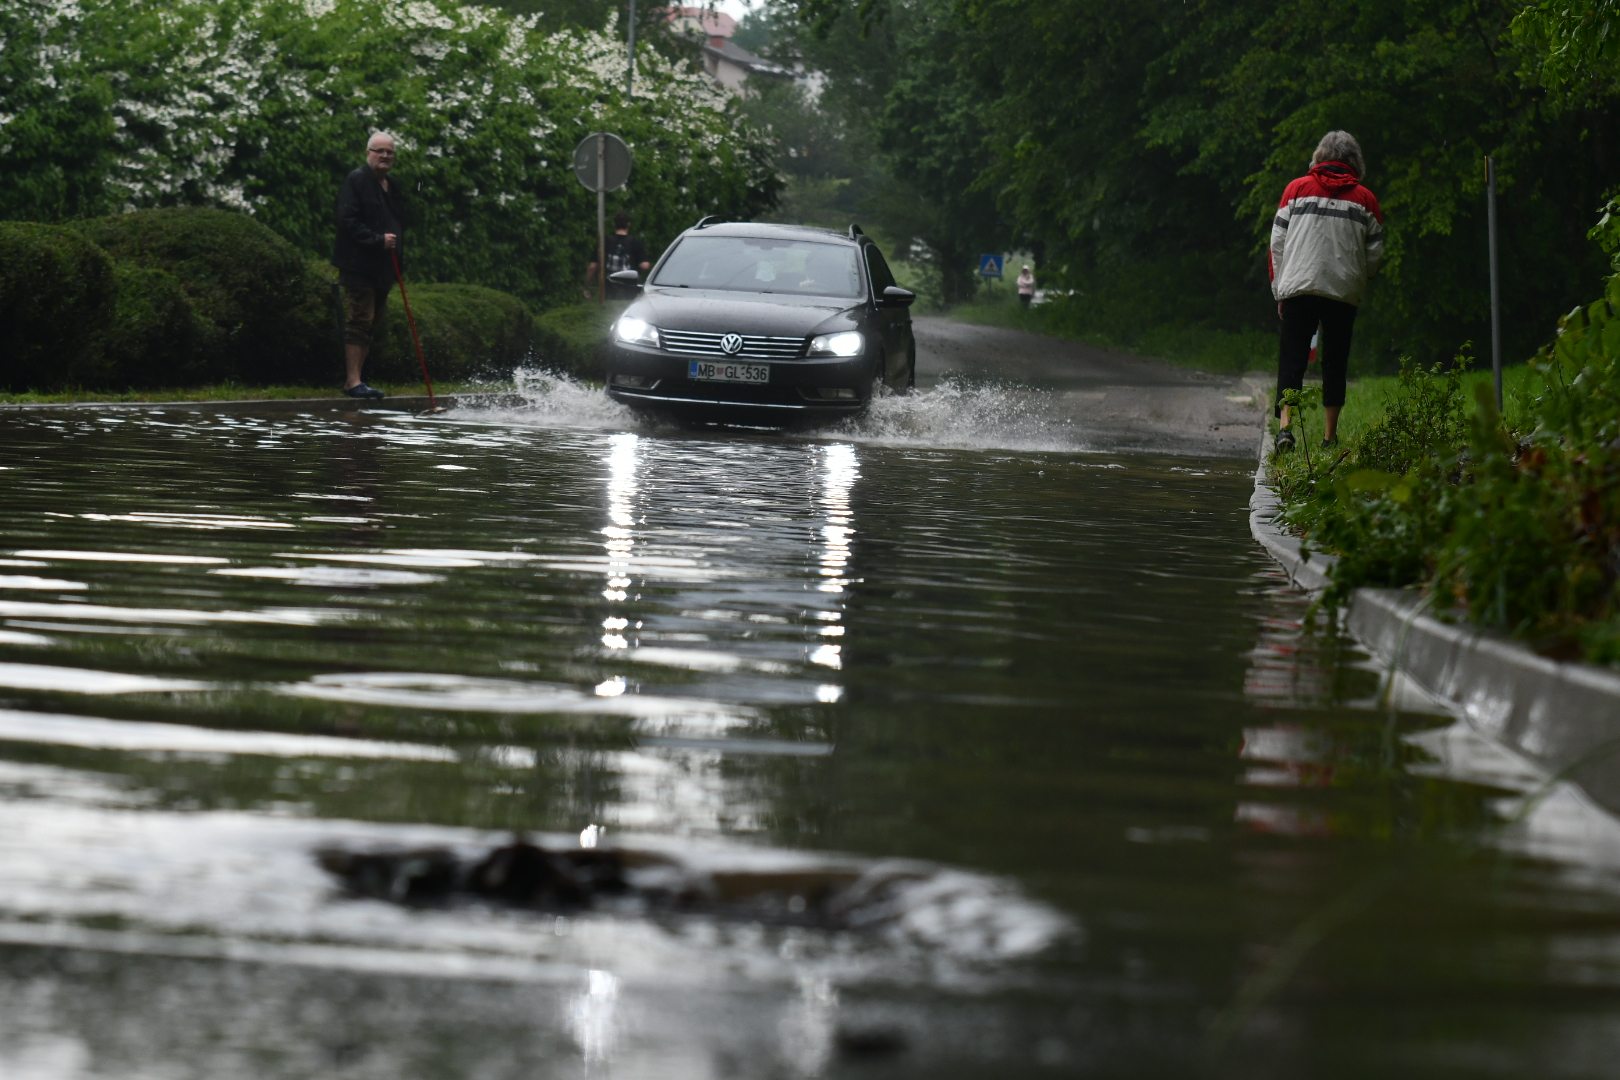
701,343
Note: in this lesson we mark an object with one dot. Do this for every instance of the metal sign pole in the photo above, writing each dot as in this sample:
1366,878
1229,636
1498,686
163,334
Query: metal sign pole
630,68
1496,293
601,219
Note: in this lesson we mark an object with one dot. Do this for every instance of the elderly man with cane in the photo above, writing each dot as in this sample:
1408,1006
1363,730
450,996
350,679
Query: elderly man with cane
370,221
1326,243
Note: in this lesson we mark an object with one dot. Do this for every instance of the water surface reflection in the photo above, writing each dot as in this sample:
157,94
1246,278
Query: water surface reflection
1061,696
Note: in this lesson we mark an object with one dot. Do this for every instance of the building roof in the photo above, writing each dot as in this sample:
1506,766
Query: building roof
714,24
736,54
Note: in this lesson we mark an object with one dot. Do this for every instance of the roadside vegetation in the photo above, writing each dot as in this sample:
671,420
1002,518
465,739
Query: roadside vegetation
1509,519
169,175
160,300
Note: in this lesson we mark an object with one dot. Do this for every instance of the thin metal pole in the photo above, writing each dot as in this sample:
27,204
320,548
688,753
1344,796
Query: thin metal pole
601,219
630,68
1496,292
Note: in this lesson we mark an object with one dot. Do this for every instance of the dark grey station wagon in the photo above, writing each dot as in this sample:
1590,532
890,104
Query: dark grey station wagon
763,324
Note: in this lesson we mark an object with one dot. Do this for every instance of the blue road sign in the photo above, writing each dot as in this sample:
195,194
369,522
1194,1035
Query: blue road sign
990,265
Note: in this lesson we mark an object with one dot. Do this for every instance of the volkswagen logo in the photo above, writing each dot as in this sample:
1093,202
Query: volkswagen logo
731,344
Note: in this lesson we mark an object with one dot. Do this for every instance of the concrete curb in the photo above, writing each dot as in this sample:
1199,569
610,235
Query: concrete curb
411,403
1264,506
1565,717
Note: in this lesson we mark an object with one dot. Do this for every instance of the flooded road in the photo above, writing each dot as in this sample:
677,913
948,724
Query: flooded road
937,746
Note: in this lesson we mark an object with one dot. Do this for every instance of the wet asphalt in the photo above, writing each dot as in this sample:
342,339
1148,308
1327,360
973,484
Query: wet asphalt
1118,400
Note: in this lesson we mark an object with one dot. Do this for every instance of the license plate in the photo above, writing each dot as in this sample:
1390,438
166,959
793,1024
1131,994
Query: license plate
725,371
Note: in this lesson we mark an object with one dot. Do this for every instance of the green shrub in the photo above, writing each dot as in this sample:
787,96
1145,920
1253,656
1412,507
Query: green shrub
1515,522
182,297
154,337
253,295
57,292
467,332
571,339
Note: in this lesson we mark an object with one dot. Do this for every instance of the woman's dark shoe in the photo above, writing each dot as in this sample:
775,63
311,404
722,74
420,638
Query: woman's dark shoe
361,390
1329,444
1285,441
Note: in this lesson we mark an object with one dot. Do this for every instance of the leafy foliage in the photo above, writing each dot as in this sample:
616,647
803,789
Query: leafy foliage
261,106
1517,525
1147,143
1375,503
1578,42
896,134
56,289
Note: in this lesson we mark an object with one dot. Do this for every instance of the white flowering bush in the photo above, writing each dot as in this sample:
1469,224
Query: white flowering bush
261,106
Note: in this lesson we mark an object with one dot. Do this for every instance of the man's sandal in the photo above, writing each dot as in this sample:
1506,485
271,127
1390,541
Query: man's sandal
1285,441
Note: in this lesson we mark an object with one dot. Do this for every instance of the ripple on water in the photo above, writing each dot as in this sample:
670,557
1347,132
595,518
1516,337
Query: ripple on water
1041,691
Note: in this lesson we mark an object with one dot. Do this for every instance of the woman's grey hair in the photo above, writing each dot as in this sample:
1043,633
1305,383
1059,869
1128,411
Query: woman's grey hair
1340,146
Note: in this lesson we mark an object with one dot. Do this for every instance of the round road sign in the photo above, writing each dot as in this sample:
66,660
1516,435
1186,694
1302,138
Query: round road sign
614,163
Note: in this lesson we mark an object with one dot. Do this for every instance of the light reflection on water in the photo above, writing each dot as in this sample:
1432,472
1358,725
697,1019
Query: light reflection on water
1064,691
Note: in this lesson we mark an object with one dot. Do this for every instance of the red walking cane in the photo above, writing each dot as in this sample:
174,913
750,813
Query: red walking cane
433,406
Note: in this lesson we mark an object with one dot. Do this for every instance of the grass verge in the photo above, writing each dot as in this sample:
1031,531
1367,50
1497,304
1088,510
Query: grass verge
233,392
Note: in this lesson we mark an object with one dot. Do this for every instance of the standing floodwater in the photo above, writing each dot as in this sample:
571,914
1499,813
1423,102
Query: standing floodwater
962,762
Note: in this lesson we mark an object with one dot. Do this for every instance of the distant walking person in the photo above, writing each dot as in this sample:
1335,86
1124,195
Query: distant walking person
1326,243
1026,285
370,227
624,252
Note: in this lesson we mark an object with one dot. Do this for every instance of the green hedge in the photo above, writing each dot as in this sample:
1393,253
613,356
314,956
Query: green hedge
259,312
571,339
56,291
467,332
183,297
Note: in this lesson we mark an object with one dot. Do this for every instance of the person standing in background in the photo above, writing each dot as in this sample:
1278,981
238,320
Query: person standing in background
370,228
1026,285
1326,243
624,252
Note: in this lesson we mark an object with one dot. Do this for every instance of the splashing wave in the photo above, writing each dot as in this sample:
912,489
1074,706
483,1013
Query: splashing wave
956,414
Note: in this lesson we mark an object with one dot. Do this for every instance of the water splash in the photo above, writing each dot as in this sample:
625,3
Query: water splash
959,414
956,414
553,400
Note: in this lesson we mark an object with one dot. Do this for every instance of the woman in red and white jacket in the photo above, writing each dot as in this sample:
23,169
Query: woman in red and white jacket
1326,243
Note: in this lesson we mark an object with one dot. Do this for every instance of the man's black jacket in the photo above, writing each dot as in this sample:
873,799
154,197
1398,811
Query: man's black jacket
364,211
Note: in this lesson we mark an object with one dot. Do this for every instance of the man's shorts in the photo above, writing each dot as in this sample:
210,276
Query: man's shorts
363,311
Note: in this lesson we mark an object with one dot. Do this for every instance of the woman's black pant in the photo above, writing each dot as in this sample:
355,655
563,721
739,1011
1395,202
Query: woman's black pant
1300,316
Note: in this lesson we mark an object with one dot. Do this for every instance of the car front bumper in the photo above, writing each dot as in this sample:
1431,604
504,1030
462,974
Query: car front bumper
794,387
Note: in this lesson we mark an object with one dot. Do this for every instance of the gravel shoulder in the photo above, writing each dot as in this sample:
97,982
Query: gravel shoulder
1119,401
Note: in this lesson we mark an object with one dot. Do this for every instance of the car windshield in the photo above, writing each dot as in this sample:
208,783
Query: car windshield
755,264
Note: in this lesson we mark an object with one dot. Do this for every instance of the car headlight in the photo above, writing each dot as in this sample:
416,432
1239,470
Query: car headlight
634,331
847,343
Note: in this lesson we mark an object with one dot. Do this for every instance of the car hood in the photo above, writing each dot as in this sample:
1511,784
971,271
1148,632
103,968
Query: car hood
726,312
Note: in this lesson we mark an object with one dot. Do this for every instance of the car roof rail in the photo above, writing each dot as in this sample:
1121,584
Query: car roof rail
854,231
707,220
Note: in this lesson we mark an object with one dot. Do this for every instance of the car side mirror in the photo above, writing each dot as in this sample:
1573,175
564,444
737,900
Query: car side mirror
895,296
625,277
